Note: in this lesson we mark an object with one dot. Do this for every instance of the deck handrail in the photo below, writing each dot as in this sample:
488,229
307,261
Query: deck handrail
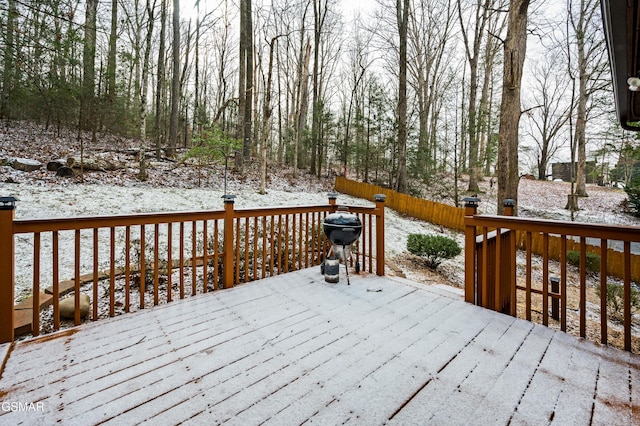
222,248
491,277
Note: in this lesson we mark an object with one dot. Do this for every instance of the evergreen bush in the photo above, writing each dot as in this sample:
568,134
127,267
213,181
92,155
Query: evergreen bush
633,194
615,298
592,264
433,248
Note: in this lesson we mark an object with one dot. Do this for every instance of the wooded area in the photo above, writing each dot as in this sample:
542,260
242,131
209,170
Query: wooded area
408,92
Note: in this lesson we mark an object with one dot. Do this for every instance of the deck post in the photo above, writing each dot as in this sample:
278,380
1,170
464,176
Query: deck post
7,242
227,246
332,201
379,199
470,210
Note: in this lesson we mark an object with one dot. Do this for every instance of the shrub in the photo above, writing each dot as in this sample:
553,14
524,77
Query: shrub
615,298
434,248
633,194
593,260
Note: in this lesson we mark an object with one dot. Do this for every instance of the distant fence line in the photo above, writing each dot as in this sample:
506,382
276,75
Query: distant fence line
453,218
429,211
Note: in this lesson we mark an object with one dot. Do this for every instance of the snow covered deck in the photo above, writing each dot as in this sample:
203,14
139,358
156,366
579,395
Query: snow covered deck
292,349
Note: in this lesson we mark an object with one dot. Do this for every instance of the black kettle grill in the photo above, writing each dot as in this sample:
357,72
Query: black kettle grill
343,229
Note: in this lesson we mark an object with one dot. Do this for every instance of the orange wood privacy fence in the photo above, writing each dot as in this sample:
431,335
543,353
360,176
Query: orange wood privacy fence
145,259
430,211
493,280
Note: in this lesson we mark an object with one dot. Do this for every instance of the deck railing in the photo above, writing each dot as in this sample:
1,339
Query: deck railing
495,281
129,262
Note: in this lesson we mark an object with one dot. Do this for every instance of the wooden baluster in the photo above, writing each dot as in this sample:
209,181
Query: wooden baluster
627,296
528,243
583,287
169,261
127,269
286,244
76,287
255,248
247,238
545,279
156,264
142,266
563,282
205,258
194,259
112,272
182,248
56,280
216,256
604,318
95,275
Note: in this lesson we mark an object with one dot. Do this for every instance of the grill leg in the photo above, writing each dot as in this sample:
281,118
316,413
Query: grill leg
346,267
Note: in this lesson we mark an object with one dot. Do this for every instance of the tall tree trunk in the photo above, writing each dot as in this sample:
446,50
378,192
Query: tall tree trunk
302,106
175,82
197,119
144,84
246,137
111,59
89,66
266,113
245,82
472,49
8,75
320,10
515,47
242,82
160,82
402,11
580,28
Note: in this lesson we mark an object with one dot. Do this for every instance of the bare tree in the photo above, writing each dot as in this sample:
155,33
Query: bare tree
591,63
245,81
473,32
549,113
430,31
88,65
161,78
8,74
144,83
175,82
402,15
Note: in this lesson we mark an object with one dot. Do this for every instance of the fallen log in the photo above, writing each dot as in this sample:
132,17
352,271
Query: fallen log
25,164
91,164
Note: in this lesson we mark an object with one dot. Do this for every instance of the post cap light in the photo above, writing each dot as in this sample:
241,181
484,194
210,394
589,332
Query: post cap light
228,198
332,195
379,197
509,202
471,201
8,203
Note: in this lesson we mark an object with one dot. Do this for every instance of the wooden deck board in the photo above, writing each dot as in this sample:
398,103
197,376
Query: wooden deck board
293,348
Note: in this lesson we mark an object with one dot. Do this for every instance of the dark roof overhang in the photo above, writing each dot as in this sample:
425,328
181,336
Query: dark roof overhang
621,26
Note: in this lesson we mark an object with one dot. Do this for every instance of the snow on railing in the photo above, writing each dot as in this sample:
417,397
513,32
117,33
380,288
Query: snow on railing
129,262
